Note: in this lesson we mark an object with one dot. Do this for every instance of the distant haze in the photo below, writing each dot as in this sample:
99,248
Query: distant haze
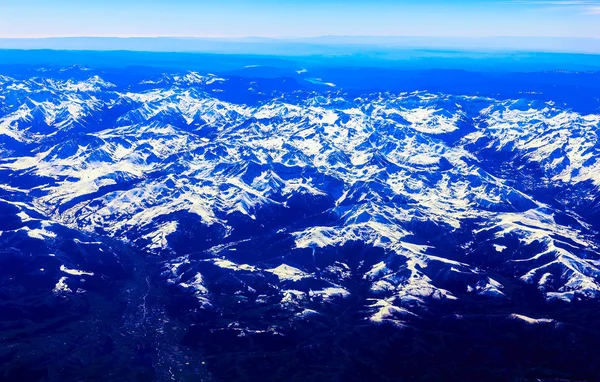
326,45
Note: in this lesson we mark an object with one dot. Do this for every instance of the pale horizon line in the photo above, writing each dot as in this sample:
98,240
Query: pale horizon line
212,37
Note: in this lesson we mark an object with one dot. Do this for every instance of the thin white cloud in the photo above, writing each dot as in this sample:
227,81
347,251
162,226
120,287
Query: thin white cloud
589,7
593,10
560,2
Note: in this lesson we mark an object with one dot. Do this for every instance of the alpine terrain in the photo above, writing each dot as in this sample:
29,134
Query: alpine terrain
186,225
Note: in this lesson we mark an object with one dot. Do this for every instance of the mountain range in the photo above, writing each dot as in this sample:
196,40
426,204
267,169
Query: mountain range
219,223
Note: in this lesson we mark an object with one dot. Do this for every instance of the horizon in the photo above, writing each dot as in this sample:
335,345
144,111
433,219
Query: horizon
301,37
317,45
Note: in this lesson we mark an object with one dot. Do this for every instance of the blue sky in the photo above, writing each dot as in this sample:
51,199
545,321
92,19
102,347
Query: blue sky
299,18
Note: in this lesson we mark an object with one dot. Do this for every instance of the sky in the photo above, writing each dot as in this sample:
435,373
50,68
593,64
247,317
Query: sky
299,18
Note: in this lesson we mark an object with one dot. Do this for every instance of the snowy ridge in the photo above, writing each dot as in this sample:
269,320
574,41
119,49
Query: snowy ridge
421,181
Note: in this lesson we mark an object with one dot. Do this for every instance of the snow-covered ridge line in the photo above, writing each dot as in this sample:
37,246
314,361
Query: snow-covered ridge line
421,179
